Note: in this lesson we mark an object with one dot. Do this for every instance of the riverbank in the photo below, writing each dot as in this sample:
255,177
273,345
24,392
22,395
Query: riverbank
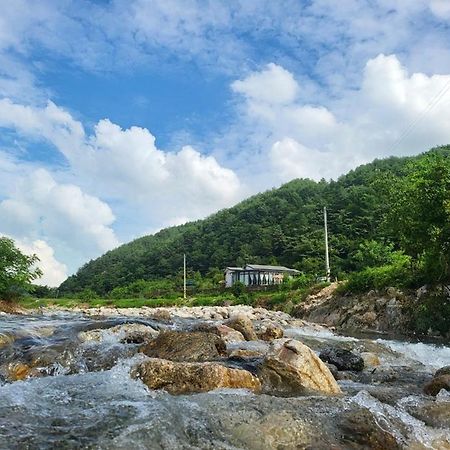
223,377
422,312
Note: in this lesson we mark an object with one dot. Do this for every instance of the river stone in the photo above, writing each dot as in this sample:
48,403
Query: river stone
185,346
434,386
442,371
135,333
370,359
342,359
185,378
228,334
17,371
243,324
271,332
291,367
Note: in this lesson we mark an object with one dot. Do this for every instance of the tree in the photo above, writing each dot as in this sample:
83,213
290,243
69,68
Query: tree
419,216
17,270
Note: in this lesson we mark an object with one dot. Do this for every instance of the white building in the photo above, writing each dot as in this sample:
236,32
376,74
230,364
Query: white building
257,275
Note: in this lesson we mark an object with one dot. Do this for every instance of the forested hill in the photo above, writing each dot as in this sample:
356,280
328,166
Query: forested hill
281,226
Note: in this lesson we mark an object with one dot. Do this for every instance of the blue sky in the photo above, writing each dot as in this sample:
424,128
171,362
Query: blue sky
119,118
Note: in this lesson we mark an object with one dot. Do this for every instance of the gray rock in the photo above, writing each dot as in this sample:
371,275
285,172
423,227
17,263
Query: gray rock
342,359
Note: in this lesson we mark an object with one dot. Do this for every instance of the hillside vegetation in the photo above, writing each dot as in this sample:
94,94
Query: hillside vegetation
389,221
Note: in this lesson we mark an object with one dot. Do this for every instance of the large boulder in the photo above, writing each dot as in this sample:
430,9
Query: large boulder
185,378
342,359
185,346
291,367
244,325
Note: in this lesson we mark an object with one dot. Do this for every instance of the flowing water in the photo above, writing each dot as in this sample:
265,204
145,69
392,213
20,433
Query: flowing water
77,394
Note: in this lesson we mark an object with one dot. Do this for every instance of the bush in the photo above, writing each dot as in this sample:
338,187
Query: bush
397,274
238,289
433,313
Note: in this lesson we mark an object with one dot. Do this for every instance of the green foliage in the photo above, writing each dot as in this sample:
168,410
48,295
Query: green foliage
238,289
419,215
373,211
17,271
433,313
398,273
372,254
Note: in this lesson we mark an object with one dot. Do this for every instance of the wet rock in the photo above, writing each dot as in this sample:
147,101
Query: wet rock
434,386
241,353
432,413
370,359
184,378
292,368
226,333
185,346
342,359
443,371
134,333
271,332
6,339
17,371
333,369
131,333
244,325
362,428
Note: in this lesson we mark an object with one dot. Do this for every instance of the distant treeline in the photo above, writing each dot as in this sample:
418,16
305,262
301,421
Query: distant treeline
389,221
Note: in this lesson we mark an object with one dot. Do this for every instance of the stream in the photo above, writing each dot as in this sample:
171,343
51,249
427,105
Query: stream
59,390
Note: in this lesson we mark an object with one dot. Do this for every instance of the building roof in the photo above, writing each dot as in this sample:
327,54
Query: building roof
262,267
234,268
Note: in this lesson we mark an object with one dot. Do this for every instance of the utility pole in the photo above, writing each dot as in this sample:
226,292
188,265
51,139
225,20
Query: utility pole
184,276
327,258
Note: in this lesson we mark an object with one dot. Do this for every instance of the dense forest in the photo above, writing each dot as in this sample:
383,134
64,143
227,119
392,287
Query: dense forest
391,210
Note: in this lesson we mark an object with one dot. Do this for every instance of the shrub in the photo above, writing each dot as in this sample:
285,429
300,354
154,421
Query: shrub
433,313
398,274
238,289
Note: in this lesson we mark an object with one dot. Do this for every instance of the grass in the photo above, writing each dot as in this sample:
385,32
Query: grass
279,299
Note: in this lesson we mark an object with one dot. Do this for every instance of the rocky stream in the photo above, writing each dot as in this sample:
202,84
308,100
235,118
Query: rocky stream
214,378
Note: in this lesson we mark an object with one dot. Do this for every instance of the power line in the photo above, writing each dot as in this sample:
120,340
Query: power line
409,128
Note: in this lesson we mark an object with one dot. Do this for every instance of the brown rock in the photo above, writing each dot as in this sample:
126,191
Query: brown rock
442,371
370,359
292,367
243,324
434,386
242,353
271,332
184,378
19,371
185,346
228,334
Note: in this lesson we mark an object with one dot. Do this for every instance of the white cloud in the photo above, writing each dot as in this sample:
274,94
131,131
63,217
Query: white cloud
441,8
76,225
273,85
393,112
53,271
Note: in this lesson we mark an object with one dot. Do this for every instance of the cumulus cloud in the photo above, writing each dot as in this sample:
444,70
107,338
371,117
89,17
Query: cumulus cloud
393,112
77,225
273,85
126,164
54,272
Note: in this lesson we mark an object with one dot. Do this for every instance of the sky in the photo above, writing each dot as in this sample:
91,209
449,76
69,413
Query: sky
119,118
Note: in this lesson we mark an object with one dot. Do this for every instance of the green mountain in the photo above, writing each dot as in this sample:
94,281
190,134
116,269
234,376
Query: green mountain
281,226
